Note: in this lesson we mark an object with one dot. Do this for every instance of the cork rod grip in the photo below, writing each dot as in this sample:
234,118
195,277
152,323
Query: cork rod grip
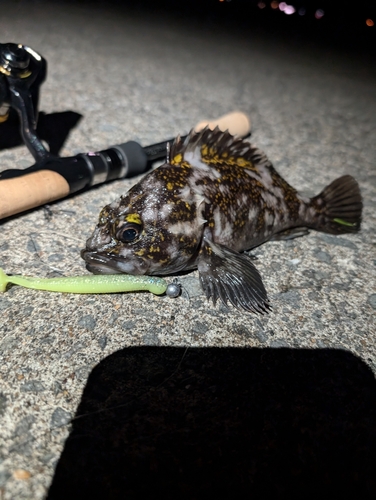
237,123
30,191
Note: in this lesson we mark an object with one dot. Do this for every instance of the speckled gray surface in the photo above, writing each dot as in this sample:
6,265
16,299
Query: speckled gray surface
131,77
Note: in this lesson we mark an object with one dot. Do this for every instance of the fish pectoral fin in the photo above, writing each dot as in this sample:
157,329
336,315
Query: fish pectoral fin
232,277
290,234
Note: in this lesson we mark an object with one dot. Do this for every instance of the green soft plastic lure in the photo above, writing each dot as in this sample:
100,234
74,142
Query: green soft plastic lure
91,283
344,223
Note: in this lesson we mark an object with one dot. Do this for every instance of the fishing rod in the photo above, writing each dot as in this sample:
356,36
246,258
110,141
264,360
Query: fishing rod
22,71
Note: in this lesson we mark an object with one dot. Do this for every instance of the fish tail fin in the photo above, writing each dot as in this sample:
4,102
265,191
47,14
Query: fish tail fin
339,207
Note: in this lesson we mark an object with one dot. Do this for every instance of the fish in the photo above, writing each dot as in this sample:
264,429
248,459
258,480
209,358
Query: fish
216,197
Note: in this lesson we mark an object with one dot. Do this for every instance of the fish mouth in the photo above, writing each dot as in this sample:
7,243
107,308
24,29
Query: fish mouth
103,263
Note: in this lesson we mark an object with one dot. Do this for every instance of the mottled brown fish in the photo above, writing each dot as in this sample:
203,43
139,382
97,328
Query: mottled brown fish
215,197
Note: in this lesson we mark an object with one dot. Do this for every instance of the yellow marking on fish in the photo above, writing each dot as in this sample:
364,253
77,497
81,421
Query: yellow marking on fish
163,261
170,186
135,218
211,156
204,150
114,250
140,252
177,159
243,163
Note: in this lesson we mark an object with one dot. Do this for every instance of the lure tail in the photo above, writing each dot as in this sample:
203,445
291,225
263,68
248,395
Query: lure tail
3,281
339,207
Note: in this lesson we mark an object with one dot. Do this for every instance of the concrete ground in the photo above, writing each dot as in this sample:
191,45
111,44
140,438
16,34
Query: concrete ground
148,78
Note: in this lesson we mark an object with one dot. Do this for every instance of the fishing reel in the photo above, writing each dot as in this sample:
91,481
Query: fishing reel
22,71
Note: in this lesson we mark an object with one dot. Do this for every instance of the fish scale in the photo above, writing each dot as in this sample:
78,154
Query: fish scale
215,197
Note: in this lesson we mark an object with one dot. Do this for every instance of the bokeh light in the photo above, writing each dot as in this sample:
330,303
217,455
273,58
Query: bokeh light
274,5
319,13
369,22
289,9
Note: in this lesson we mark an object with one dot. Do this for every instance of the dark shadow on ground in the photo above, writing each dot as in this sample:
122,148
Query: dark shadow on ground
53,128
159,422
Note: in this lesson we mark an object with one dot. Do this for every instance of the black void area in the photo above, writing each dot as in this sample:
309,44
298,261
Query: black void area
325,23
222,423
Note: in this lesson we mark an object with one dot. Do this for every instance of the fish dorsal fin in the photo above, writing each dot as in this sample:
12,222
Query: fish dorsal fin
216,146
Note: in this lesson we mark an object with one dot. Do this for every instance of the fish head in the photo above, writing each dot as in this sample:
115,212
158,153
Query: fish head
156,228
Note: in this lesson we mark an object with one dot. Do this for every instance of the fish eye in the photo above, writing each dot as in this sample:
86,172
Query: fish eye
129,232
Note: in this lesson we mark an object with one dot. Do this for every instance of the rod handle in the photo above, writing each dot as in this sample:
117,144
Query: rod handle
30,191
237,123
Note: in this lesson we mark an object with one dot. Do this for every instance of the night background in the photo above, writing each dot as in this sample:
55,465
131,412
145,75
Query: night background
344,25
